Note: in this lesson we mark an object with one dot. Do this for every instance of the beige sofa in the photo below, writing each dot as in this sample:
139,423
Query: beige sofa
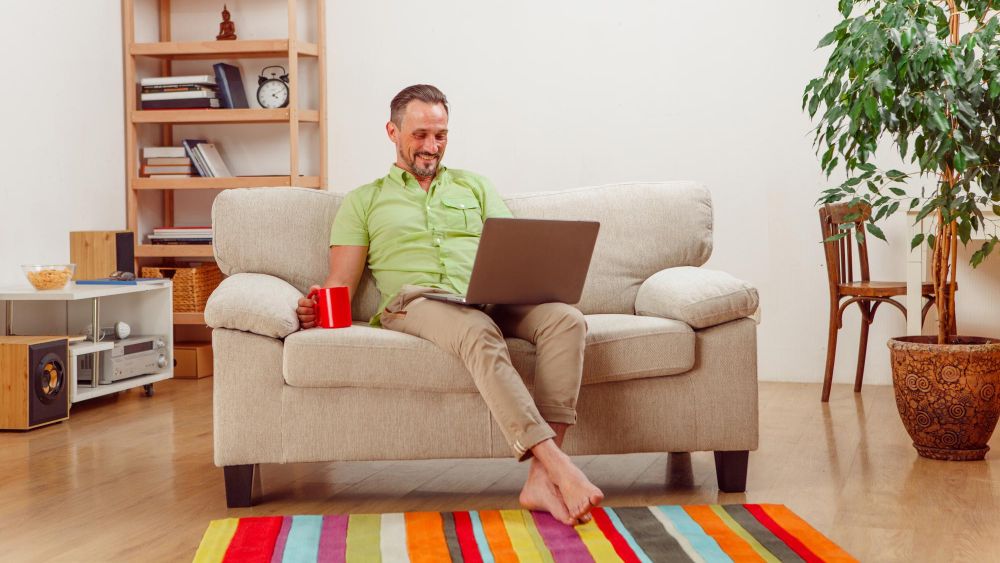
680,376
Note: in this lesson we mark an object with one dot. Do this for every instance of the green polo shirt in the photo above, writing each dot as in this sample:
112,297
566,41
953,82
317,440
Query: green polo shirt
416,237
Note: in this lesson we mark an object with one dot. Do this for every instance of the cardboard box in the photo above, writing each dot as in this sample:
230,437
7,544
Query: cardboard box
192,360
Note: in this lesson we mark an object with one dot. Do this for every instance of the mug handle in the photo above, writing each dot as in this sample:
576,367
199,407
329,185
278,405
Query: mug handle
312,295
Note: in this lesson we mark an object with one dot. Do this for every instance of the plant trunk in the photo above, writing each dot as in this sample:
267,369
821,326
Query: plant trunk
944,262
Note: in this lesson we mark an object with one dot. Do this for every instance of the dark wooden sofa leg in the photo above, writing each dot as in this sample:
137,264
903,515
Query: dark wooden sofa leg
731,470
242,485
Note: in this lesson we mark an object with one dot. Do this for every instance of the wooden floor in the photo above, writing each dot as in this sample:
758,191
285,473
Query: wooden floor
130,478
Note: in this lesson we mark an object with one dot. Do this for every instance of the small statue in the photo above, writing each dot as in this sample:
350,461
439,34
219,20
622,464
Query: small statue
227,29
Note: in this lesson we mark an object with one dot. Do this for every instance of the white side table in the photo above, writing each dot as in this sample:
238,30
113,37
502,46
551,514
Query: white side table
146,307
917,264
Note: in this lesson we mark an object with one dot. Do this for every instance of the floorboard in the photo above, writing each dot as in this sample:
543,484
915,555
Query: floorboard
130,478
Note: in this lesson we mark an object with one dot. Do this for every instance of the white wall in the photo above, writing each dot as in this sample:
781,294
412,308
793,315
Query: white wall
544,95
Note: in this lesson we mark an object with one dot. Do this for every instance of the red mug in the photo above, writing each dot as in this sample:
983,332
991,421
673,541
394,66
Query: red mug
333,307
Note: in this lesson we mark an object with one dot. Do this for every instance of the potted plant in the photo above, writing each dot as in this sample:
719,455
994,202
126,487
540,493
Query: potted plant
923,76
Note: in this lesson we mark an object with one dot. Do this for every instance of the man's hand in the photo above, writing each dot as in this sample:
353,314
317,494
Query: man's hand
307,310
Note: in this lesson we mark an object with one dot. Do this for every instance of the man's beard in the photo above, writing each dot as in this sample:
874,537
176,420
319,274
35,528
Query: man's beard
424,172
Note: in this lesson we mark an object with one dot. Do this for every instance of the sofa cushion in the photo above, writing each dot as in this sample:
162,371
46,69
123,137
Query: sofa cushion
257,303
698,297
619,348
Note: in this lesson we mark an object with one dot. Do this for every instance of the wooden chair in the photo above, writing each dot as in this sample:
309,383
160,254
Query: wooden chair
866,293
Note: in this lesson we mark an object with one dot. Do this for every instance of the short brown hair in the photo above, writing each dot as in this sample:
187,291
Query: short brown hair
423,92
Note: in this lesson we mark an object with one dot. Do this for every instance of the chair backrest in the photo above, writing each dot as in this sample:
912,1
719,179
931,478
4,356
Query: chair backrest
836,218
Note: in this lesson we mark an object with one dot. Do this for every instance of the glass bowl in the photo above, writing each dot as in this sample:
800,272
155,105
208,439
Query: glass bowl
49,276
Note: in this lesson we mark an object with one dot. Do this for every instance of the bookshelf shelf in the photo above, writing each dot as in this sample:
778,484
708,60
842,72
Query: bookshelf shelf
201,50
189,318
173,251
225,183
170,116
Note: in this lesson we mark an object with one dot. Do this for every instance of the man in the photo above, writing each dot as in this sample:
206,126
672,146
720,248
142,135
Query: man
418,229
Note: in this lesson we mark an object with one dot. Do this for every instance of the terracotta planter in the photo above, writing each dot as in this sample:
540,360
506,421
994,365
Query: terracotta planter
947,395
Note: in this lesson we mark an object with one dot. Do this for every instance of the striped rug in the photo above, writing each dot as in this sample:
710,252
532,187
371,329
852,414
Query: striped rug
738,532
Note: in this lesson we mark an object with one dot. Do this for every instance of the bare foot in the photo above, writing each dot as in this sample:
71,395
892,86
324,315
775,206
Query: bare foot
579,494
539,493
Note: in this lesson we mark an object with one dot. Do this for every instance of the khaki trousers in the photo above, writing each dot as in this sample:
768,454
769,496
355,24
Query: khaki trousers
476,336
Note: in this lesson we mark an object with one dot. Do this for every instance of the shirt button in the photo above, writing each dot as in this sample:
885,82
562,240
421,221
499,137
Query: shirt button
462,205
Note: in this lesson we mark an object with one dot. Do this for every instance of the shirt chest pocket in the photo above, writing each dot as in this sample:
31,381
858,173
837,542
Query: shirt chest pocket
462,213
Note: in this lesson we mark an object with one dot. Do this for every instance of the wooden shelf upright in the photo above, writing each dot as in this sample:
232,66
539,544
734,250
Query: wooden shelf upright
166,51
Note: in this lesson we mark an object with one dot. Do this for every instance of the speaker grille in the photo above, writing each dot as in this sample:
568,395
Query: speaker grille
49,388
50,378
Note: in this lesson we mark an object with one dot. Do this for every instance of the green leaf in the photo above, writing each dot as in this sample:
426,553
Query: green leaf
895,175
960,161
916,241
939,121
871,107
965,231
874,230
914,202
827,39
898,191
994,89
835,237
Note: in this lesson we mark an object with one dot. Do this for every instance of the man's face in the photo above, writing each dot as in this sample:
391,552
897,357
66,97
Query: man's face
420,138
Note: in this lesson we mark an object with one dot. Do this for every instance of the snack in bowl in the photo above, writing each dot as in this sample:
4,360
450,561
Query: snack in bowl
49,276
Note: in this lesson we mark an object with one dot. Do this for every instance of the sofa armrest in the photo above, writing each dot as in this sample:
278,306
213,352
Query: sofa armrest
256,303
697,296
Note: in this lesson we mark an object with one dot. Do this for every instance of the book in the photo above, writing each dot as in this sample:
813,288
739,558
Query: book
180,241
187,95
199,165
179,88
184,232
169,161
216,166
202,103
230,84
171,80
163,152
162,176
147,169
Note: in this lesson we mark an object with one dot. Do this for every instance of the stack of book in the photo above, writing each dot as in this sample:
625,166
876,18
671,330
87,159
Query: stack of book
181,235
179,92
166,162
206,159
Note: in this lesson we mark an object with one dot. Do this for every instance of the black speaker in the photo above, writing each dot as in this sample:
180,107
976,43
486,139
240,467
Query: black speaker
35,379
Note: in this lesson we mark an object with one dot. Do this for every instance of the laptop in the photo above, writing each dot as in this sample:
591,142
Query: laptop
528,262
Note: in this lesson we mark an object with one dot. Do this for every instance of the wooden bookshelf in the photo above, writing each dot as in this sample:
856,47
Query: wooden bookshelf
173,251
226,183
176,116
239,49
137,120
189,318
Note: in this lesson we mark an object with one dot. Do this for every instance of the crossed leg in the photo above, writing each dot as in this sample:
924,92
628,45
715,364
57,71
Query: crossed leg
554,484
558,486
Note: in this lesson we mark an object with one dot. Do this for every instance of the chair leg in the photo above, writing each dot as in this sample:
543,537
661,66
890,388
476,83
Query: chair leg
831,351
862,352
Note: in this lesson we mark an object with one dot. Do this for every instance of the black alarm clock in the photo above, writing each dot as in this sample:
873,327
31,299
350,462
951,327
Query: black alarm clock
272,91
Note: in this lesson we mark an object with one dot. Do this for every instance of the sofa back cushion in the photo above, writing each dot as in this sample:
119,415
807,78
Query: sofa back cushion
645,228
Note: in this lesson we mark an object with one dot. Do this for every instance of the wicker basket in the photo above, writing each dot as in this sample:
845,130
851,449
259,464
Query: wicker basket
192,285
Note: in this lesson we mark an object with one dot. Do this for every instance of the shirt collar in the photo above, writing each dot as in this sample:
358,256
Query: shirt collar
401,176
